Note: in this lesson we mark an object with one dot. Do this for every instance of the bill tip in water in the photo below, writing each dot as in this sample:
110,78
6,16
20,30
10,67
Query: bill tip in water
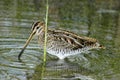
20,54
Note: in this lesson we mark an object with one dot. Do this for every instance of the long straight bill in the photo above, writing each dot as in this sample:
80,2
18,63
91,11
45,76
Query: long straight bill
27,42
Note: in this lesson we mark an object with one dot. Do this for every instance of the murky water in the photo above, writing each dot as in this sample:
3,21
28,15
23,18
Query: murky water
99,19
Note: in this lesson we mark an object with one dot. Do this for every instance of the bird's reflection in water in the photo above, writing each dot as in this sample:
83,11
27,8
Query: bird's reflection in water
57,69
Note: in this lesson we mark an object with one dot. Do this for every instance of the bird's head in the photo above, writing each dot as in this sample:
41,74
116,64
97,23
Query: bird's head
38,27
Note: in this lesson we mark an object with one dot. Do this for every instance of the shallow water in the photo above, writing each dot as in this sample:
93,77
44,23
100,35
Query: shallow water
99,19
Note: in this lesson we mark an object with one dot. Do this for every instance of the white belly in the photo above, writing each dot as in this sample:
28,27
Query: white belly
63,54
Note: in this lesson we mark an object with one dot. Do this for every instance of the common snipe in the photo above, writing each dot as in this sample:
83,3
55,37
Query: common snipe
61,43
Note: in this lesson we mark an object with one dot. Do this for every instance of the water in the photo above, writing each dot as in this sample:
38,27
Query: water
97,19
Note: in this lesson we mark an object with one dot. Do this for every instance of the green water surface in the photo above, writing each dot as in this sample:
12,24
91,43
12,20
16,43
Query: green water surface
99,19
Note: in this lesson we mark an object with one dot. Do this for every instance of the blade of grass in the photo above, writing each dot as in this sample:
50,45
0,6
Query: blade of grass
45,40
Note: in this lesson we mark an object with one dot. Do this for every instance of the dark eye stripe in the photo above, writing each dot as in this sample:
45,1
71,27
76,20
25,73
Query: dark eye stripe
34,25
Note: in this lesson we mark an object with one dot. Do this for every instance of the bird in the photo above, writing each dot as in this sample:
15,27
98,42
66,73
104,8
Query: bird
61,43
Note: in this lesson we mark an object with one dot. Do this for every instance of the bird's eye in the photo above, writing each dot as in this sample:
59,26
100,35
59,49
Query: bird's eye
37,27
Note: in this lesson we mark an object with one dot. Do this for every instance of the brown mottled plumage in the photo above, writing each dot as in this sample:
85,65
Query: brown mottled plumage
61,43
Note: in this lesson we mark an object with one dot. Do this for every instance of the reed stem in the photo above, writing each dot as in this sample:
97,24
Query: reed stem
45,40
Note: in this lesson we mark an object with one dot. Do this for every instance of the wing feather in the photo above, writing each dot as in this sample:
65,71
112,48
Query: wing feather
72,40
